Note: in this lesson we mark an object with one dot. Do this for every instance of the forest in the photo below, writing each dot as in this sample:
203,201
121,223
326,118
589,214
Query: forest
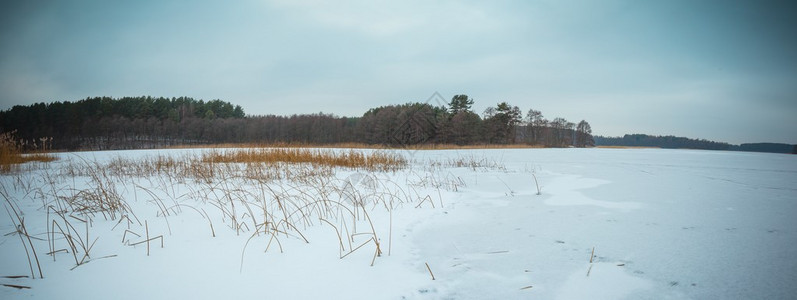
105,123
667,142
673,142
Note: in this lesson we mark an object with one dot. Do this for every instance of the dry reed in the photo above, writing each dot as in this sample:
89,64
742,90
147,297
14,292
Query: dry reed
430,270
375,161
269,194
358,146
11,153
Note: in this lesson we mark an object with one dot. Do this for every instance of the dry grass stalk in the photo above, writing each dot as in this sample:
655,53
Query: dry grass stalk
77,243
591,256
430,270
19,287
19,223
22,231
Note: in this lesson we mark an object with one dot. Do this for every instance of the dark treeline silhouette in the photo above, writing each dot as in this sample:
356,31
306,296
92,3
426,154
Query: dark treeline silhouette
416,123
672,142
767,147
669,142
104,123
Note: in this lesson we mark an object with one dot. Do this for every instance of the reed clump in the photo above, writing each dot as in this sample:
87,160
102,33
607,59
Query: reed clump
352,145
470,162
11,153
374,161
271,195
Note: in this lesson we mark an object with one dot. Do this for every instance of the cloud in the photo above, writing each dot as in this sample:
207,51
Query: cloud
622,65
384,19
28,83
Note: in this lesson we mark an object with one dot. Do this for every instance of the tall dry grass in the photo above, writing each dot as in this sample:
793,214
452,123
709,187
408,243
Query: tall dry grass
283,145
11,153
268,195
374,161
471,162
359,146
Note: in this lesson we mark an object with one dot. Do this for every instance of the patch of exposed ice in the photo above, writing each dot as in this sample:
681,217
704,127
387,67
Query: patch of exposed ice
564,191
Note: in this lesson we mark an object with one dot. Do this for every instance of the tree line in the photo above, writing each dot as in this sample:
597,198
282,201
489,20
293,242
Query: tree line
104,123
674,142
668,142
458,124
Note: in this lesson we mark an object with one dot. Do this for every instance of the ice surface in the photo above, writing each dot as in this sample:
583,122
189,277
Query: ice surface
664,224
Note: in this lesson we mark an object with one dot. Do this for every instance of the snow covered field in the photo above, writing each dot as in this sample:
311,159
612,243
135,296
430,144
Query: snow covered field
663,224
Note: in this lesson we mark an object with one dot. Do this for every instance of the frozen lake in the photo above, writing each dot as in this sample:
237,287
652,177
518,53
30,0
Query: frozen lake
662,224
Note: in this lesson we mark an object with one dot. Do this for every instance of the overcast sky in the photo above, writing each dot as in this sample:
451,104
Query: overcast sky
719,70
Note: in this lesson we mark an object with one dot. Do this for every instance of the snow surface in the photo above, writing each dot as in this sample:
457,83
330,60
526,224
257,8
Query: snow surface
663,224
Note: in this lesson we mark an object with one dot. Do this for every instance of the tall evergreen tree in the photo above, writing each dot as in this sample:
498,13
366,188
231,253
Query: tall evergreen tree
460,103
